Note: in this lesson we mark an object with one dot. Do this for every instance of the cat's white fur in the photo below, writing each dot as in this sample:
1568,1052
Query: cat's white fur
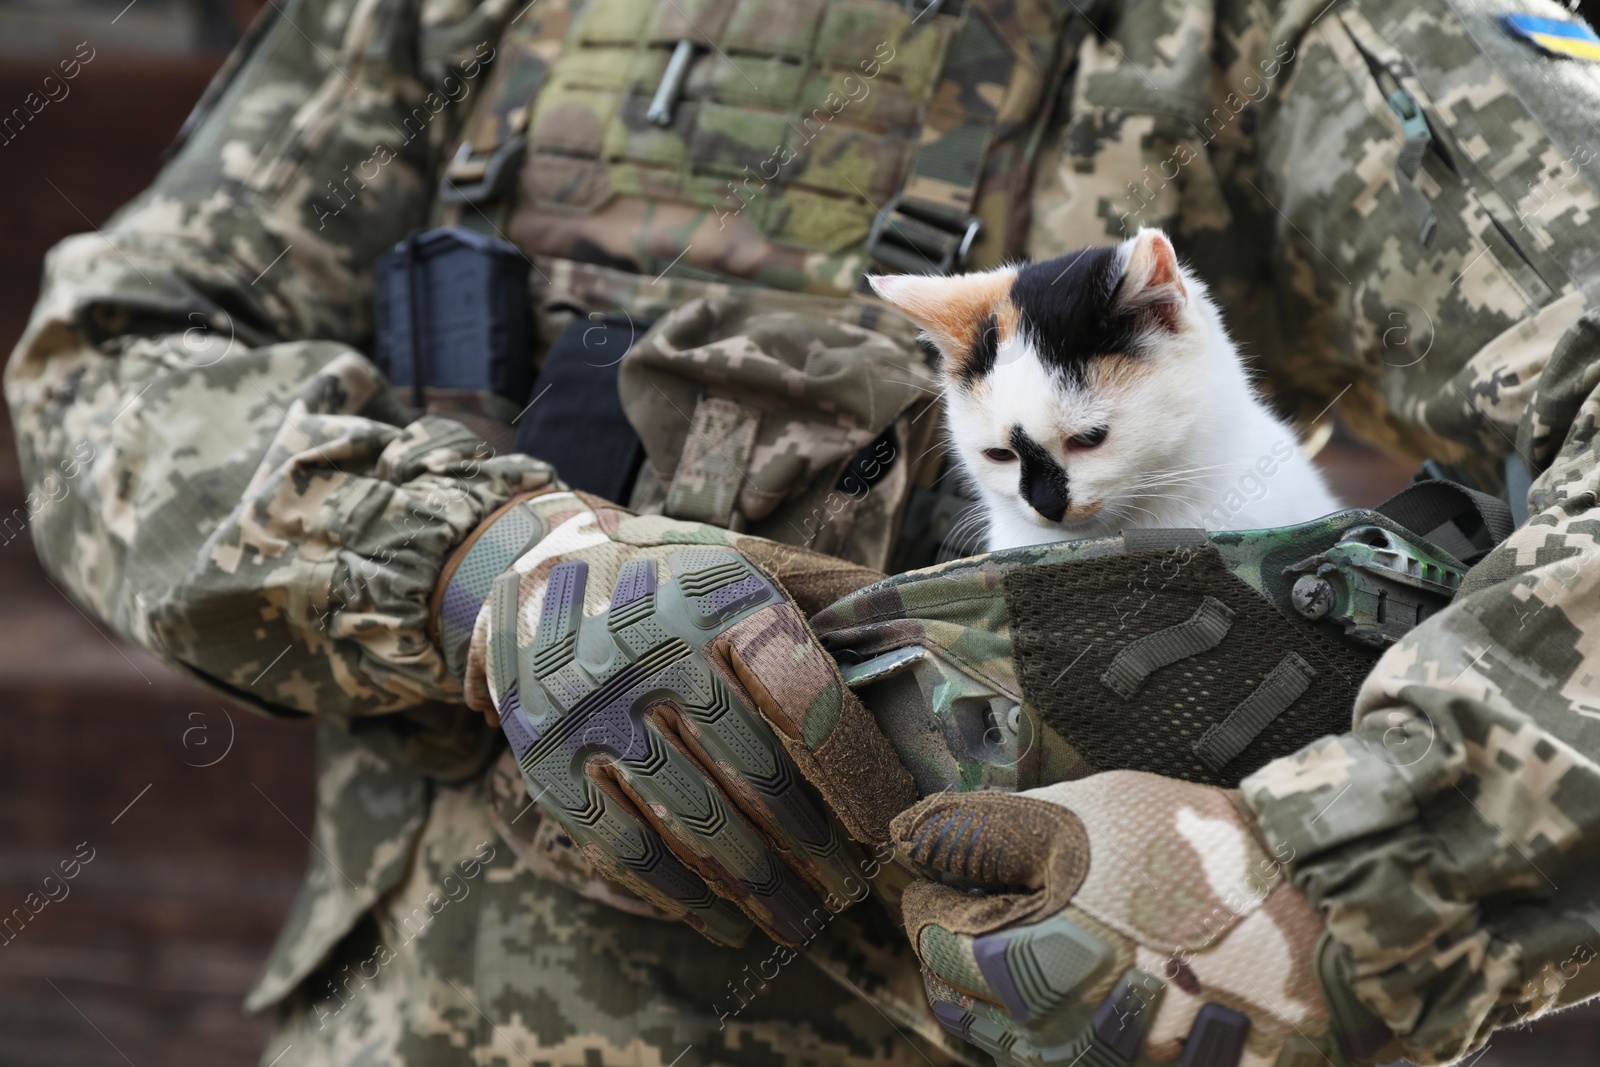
1190,442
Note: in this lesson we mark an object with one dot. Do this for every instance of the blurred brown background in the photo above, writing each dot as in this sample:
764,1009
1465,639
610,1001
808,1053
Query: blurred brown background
147,957
196,813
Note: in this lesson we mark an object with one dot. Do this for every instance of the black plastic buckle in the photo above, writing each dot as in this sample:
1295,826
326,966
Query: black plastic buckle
499,174
914,244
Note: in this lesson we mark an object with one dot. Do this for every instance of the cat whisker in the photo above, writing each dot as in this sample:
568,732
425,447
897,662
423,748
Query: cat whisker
930,407
1125,508
1176,477
1166,486
1207,467
913,385
1159,472
1158,478
962,542
968,531
1160,487
1122,508
966,522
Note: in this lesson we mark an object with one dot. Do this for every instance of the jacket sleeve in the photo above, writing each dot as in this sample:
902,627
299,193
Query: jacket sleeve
214,467
1452,839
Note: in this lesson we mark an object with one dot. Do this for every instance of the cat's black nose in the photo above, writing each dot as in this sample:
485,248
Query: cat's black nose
1043,482
1047,498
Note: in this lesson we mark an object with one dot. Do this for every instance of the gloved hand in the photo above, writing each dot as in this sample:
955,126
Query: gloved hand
1118,919
667,704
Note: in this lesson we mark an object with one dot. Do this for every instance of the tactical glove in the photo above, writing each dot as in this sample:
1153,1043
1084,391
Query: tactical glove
667,704
1124,918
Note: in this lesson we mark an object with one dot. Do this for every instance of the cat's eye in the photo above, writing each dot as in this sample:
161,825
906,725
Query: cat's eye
1089,438
1000,455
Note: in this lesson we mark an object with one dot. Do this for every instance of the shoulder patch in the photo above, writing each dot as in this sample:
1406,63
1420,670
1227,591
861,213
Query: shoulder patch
1557,37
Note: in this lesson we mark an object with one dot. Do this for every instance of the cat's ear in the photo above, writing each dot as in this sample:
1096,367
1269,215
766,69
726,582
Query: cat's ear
951,309
1151,278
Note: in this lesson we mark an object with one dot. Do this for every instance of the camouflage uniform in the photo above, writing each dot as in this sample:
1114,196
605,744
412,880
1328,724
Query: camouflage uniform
1449,838
221,474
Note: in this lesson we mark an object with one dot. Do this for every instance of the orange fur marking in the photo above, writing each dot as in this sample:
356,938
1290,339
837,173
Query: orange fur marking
1114,373
952,310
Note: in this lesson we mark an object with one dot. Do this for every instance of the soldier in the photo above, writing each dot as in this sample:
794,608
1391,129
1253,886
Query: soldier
1389,202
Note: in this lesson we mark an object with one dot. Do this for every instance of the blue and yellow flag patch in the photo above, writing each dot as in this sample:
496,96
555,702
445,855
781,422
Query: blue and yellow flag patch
1556,37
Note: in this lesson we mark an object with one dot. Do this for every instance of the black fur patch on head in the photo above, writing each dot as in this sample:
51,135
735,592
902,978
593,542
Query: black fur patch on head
1043,483
981,353
1068,310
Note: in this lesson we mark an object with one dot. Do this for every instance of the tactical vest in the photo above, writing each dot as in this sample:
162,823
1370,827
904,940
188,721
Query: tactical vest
765,156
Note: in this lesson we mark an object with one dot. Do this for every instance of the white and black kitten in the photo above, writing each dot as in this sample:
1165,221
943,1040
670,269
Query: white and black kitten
1099,392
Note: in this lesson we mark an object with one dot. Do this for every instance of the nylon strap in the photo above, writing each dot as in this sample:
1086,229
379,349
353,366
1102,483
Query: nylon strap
1283,685
1143,656
960,123
931,225
1163,540
1518,481
223,79
497,127
715,461
1409,162
1462,521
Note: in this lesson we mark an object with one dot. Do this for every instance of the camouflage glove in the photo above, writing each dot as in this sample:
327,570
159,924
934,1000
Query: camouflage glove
1124,918
667,705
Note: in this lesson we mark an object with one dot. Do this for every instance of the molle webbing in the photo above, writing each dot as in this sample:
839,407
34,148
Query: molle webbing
1164,538
1162,660
930,227
794,125
1278,690
715,461
958,207
960,123
1143,656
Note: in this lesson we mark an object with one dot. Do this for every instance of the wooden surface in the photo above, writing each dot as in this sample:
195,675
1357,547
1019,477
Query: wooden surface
146,959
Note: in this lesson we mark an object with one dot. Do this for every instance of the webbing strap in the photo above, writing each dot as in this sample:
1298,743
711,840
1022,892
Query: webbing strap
930,226
1462,521
1518,481
716,457
1409,162
475,184
1282,686
1154,540
1143,656
266,18
960,122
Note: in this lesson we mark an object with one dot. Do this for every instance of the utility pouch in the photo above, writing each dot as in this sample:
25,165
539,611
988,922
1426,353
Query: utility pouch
575,421
452,315
797,425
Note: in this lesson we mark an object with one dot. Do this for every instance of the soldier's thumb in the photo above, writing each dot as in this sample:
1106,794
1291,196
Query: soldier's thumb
994,859
995,841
